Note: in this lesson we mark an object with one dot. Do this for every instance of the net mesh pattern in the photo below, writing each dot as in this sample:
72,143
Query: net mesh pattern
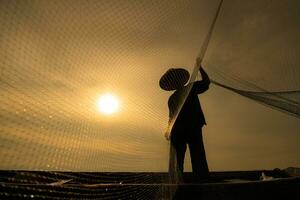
58,57
255,52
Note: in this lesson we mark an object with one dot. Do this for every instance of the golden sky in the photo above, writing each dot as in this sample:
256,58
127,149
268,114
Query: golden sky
58,57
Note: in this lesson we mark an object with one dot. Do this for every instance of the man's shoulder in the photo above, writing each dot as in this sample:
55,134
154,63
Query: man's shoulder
172,96
182,91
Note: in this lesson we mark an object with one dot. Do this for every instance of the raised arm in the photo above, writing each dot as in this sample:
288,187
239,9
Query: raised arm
204,75
203,85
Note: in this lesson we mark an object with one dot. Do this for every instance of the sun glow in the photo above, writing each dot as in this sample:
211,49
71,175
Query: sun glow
108,104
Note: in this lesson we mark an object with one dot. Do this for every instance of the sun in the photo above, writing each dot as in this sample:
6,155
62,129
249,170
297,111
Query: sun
108,104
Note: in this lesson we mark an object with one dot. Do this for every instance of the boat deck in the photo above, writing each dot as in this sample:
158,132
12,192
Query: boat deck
145,185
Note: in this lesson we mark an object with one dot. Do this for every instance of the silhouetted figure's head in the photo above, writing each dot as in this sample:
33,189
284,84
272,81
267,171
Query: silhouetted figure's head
174,79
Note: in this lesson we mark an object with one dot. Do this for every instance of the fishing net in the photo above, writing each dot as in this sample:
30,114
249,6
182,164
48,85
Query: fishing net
255,53
58,57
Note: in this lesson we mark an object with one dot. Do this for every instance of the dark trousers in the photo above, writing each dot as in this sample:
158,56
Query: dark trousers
179,142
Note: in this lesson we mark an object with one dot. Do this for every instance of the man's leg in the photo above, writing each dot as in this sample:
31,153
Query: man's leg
178,149
198,157
180,153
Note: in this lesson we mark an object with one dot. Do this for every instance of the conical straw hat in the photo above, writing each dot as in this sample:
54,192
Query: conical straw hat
174,78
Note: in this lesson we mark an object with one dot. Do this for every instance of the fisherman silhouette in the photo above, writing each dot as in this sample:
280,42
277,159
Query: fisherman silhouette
187,128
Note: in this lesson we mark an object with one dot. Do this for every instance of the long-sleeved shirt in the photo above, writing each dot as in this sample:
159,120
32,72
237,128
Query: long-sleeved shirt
191,115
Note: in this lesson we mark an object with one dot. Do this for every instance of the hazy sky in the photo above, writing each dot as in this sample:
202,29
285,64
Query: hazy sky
58,57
